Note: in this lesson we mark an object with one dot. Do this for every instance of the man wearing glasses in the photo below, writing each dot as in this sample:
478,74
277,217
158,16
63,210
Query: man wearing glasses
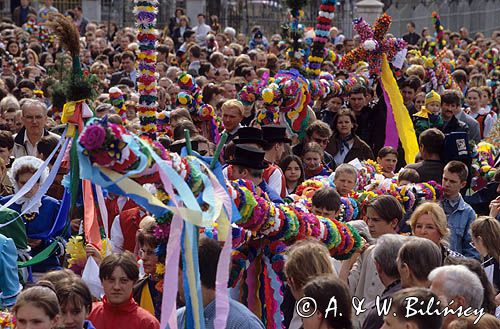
34,118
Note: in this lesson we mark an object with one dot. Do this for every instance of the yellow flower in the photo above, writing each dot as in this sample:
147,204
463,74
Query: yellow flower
160,268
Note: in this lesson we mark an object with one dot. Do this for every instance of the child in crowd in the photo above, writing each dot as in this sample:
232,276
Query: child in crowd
312,157
484,116
428,116
419,100
291,165
388,159
408,176
326,203
346,177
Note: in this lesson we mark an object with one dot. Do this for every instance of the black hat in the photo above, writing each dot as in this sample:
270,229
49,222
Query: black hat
275,134
258,35
249,135
248,156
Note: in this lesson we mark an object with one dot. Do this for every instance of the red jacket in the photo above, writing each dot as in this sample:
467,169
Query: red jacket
126,315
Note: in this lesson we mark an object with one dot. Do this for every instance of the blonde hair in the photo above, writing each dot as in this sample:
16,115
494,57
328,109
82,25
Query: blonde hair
233,103
305,260
417,70
488,228
438,216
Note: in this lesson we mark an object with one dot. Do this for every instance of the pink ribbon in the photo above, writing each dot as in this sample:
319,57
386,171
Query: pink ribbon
391,131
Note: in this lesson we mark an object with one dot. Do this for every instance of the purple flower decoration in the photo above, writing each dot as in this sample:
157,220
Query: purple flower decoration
93,137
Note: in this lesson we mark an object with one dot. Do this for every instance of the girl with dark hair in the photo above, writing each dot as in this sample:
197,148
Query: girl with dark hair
321,289
292,168
37,306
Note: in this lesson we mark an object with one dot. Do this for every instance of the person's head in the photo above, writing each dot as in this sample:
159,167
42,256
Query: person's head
128,61
312,156
431,143
6,145
357,98
75,301
385,254
177,115
426,315
383,215
183,21
387,158
22,170
45,146
201,19
118,274
37,307
318,132
433,102
292,168
487,321
147,243
486,236
326,202
473,98
344,123
321,289
419,100
409,89
429,221
460,77
410,27
450,104
232,114
416,259
486,95
345,179
34,116
305,260
454,178
457,283
333,103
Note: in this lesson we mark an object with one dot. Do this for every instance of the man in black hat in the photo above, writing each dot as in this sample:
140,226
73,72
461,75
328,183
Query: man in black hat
248,163
276,138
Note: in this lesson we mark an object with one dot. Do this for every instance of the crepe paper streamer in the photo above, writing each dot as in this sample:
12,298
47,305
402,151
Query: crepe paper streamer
276,285
189,147
218,150
102,210
73,113
404,124
90,224
32,181
61,223
40,257
391,132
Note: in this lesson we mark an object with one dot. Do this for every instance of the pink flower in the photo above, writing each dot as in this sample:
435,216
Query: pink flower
93,137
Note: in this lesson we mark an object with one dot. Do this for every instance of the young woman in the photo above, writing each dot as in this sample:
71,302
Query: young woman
486,239
312,157
291,165
37,307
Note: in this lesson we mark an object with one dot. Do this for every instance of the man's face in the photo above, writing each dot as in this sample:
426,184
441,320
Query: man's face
231,118
452,184
201,20
34,119
127,64
192,38
321,140
410,28
357,102
239,173
124,41
24,3
449,110
118,287
408,95
10,120
223,74
229,91
19,121
349,45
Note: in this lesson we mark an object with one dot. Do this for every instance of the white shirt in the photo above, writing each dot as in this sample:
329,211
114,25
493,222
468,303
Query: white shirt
201,32
489,120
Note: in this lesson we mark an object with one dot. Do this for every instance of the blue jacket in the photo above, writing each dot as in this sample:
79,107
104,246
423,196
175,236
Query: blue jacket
271,193
459,222
9,279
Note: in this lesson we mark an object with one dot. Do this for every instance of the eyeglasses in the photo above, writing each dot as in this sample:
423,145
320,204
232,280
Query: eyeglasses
322,141
472,244
34,117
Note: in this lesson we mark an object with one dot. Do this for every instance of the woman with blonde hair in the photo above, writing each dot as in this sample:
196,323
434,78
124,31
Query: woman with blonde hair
429,221
305,260
486,239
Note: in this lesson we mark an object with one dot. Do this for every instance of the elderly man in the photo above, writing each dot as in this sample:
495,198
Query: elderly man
458,284
34,118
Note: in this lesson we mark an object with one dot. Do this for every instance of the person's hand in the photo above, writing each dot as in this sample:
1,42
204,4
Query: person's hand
34,243
495,207
94,253
75,224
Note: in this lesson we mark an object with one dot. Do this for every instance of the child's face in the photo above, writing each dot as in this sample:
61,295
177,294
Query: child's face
473,99
73,316
388,163
312,160
292,172
485,98
434,107
419,101
403,182
334,104
331,214
345,183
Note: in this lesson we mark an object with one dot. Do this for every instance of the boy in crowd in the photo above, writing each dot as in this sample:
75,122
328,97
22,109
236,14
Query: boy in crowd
326,203
460,214
408,176
429,116
388,159
346,177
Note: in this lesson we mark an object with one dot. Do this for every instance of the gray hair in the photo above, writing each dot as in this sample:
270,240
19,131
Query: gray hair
9,102
459,281
386,252
31,102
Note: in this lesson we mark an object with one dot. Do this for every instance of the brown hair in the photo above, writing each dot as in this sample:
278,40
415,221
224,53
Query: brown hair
386,150
307,259
432,319
315,148
488,228
42,297
320,127
421,256
410,175
387,207
75,292
346,113
459,168
125,260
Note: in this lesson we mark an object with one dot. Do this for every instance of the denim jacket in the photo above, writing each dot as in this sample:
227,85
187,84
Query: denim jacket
459,222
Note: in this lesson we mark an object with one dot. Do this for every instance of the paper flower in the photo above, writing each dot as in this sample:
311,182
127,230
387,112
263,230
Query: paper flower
93,137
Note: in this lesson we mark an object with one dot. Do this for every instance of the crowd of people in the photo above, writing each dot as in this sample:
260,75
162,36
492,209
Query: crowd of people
446,249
